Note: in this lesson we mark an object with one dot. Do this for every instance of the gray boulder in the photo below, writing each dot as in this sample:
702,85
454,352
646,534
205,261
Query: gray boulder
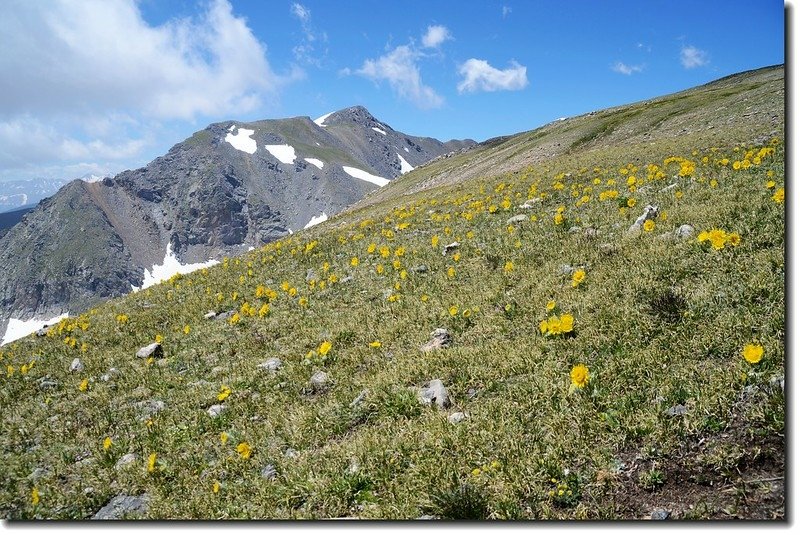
76,366
440,339
153,350
435,393
123,505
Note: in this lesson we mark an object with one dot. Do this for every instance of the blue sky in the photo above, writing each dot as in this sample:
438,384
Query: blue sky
98,87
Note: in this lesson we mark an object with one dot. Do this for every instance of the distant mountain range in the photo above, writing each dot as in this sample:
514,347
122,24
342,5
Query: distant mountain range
16,194
228,188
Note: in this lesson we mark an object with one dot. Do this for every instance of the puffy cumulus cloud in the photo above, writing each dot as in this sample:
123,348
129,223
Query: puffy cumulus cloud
692,57
399,68
478,75
435,36
623,68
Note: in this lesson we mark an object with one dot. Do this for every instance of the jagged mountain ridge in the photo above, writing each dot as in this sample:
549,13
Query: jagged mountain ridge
219,192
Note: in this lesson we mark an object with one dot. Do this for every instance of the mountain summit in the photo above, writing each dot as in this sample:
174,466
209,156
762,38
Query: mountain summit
228,188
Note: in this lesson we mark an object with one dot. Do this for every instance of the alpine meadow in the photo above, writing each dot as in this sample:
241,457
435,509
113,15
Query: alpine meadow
585,321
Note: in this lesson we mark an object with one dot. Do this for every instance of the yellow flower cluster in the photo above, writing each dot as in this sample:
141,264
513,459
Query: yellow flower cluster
556,325
719,238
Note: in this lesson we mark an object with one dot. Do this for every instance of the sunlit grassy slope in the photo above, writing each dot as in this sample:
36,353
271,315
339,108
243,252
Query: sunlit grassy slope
672,416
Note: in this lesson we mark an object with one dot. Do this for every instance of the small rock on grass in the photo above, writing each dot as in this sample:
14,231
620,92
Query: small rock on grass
456,417
435,392
153,350
449,247
676,410
210,315
521,218
215,410
660,514
271,365
359,398
122,505
269,472
76,366
650,212
319,380
125,460
440,339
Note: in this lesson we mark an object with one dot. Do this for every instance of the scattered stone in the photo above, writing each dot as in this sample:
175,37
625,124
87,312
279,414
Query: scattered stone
608,249
224,315
684,232
359,398
88,490
76,366
440,339
38,474
590,233
210,315
471,393
565,269
574,230
291,453
521,218
450,247
354,467
671,186
47,383
456,417
310,274
269,472
387,292
660,514
271,365
110,374
346,279
319,380
527,205
215,410
122,505
153,350
150,407
427,517
676,410
125,460
422,268
435,392
217,370
650,212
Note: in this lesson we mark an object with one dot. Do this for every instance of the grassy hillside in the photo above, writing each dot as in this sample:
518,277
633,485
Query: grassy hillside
601,372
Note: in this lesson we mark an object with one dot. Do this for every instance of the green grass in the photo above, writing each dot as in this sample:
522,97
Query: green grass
657,323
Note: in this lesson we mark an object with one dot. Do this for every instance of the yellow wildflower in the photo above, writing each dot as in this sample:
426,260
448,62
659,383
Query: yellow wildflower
579,375
223,437
453,310
35,496
224,392
159,338
375,344
215,487
509,267
324,348
84,386
107,442
753,353
551,305
578,277
778,197
354,261
244,450
186,329
151,463
649,225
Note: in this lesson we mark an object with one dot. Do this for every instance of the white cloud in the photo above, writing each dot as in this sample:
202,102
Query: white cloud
399,68
478,75
301,12
506,11
435,36
86,79
692,57
622,68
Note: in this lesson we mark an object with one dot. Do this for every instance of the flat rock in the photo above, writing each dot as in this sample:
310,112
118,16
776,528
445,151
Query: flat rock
319,380
210,315
449,247
530,203
125,460
272,364
110,374
422,268
660,514
676,410
76,366
224,315
456,417
521,218
684,232
435,392
153,350
215,410
123,505
440,339
359,398
650,212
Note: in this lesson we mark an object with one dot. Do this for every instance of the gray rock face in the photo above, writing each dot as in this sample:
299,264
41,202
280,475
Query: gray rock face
205,198
123,505
440,339
126,460
435,393
153,350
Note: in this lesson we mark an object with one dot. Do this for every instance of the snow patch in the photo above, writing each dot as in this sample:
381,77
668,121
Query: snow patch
363,175
230,129
242,140
321,120
314,161
21,328
317,220
378,130
284,153
405,149
168,268
405,167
